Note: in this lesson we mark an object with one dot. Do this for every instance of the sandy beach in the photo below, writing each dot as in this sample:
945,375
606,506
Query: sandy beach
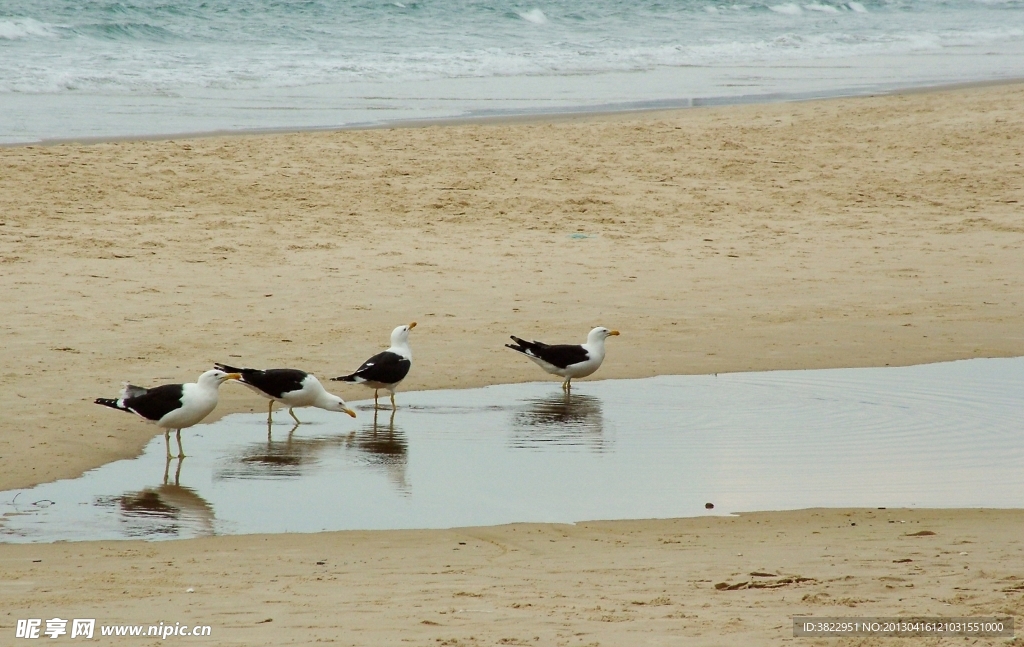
655,582
849,232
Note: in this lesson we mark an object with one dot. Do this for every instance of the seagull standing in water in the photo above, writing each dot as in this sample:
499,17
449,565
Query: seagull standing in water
567,360
291,387
172,406
385,370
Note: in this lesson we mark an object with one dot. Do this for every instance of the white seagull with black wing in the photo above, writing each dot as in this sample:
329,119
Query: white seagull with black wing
172,406
567,360
291,387
385,370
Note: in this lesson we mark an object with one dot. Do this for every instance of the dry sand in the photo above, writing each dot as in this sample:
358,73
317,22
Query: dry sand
851,232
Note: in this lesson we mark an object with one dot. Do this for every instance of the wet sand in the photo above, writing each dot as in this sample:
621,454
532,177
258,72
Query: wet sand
653,582
852,232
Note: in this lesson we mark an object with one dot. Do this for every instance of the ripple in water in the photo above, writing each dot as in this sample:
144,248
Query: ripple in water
941,435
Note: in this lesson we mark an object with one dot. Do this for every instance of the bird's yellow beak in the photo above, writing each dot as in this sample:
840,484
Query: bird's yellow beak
412,325
614,332
349,412
234,376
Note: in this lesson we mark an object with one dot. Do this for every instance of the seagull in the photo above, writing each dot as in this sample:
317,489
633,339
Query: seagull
385,370
567,360
172,406
290,387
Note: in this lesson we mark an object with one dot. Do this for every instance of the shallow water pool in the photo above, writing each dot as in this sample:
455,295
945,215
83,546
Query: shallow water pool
939,435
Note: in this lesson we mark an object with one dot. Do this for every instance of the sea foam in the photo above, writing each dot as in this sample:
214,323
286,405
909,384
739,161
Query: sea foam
18,28
218,61
536,16
789,9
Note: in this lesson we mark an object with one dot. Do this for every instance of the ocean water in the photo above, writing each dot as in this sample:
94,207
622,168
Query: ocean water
73,69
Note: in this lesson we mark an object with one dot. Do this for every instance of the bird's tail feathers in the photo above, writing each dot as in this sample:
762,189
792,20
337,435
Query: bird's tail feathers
523,346
517,348
110,402
344,378
229,369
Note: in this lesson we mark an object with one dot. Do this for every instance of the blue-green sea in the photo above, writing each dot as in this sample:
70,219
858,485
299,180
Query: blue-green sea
73,69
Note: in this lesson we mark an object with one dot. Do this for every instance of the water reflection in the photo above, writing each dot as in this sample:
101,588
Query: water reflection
170,509
379,443
386,446
570,419
287,458
944,435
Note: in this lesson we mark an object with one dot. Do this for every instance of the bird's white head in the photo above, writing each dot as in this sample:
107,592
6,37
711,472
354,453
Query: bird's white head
400,335
600,334
337,404
216,377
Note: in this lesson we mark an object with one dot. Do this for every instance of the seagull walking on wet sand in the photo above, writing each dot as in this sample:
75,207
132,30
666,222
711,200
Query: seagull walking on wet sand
387,369
172,406
567,360
291,387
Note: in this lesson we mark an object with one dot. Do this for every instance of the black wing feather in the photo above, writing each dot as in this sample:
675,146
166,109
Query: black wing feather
560,355
386,368
274,382
156,402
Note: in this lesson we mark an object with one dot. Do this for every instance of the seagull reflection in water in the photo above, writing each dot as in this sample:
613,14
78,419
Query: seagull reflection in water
376,444
385,446
561,419
170,509
275,458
